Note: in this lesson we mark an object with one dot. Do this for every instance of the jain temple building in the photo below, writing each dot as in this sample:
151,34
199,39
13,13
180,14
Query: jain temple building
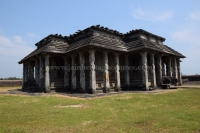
99,59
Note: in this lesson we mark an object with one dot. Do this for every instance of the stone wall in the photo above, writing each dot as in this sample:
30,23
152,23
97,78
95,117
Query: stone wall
192,77
10,83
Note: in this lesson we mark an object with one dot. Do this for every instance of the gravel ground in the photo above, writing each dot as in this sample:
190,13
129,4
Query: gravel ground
83,95
189,84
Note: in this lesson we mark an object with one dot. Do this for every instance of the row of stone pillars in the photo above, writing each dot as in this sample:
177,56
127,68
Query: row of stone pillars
92,72
28,72
173,69
145,71
44,80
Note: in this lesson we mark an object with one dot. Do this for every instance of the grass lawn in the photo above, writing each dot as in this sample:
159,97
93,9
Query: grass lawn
9,88
174,111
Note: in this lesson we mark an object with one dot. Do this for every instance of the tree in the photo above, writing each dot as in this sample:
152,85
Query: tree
12,78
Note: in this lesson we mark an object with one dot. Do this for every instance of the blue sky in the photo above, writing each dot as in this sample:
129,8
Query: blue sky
24,22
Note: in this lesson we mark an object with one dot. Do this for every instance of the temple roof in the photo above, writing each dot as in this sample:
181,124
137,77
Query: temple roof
103,37
140,43
141,31
97,27
53,46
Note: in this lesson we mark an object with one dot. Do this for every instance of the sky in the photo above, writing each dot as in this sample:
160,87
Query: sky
23,23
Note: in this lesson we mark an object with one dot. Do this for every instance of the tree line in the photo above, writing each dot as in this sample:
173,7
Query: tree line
11,78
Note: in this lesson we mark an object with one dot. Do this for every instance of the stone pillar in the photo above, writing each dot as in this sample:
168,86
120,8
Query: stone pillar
159,67
29,70
66,73
26,75
53,72
24,72
92,71
179,72
47,81
106,74
73,73
163,69
117,73
82,71
32,72
36,71
144,71
41,76
169,71
175,68
127,76
153,74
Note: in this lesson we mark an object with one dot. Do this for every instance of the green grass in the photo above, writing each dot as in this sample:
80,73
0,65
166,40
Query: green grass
176,111
9,88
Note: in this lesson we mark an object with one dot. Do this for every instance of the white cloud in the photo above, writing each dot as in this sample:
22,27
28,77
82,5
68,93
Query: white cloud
195,15
5,42
15,46
153,16
187,35
18,40
12,50
188,41
32,38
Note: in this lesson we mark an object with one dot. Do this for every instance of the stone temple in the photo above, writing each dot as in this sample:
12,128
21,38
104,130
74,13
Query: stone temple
99,59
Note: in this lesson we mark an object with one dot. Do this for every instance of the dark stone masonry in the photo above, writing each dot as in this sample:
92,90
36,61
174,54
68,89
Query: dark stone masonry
98,59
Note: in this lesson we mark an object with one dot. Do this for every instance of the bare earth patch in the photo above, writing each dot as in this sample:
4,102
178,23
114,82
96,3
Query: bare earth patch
71,106
125,97
86,123
168,91
65,96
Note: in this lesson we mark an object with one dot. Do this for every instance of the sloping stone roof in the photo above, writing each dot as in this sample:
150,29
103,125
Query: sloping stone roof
53,46
138,31
140,43
108,42
101,37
